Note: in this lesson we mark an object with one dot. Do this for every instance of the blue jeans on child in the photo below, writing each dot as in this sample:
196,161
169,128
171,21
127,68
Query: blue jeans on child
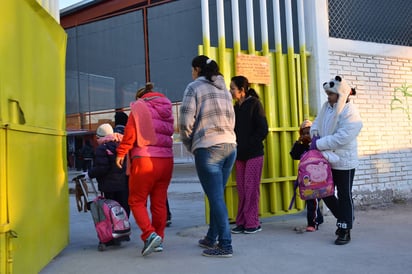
214,165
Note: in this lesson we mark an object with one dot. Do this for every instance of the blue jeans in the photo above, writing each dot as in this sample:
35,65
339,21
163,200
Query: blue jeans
213,165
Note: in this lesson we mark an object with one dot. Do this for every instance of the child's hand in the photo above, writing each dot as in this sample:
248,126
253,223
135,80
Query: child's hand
313,143
119,161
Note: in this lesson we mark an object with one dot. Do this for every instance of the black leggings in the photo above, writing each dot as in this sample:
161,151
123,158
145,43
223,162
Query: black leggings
313,213
342,205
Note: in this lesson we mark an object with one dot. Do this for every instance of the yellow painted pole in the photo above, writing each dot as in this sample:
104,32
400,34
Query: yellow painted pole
205,27
269,96
291,64
235,27
221,39
303,58
267,102
250,27
280,104
287,132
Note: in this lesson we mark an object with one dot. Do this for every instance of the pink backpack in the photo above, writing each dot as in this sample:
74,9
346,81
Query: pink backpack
314,176
110,219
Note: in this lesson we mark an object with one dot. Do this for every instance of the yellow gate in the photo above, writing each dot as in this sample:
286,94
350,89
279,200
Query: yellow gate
284,96
34,204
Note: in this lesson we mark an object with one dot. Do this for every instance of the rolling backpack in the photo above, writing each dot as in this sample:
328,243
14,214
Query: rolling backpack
110,219
314,177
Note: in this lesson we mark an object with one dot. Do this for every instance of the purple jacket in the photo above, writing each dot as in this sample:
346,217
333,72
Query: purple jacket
162,119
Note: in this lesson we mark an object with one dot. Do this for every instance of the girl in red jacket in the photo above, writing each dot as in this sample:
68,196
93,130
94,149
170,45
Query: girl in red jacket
148,143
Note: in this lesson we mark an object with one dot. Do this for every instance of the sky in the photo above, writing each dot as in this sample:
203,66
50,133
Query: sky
65,3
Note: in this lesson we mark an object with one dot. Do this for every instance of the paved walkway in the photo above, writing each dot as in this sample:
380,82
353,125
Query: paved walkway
381,242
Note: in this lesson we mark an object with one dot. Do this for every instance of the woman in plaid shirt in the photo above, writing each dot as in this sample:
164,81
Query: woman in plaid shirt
207,122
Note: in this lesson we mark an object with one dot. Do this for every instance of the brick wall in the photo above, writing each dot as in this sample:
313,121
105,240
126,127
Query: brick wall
385,142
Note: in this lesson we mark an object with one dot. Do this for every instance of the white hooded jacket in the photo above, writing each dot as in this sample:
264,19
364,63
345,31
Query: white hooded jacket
339,134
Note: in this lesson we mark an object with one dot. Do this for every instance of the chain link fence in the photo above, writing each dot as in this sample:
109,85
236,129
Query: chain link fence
379,21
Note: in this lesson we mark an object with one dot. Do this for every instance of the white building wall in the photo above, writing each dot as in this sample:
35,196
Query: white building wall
52,6
317,34
385,142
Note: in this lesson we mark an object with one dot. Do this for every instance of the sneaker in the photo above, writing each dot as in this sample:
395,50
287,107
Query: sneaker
151,243
168,222
218,252
343,237
310,229
206,243
238,229
158,248
252,230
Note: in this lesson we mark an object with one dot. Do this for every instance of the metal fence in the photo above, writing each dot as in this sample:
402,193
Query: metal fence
378,21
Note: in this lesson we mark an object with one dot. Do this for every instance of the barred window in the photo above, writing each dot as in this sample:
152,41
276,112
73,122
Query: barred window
379,21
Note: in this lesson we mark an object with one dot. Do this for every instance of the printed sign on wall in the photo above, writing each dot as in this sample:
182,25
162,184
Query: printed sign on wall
255,68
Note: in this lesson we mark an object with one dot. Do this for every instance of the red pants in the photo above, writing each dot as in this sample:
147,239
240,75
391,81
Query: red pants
150,177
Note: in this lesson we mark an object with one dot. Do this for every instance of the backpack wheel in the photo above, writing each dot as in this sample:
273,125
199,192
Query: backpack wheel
116,242
101,247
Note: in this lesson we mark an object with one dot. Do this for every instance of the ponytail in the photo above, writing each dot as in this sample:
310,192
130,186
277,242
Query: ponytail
252,92
208,67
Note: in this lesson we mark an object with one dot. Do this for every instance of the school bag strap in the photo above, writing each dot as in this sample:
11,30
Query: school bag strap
295,187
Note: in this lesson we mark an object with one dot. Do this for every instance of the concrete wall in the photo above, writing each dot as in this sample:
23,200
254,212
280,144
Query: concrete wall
385,143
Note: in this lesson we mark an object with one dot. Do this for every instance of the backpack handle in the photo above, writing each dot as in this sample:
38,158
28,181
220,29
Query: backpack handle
295,186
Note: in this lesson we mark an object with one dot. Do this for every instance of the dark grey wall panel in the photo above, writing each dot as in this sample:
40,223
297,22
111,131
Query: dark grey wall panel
111,50
175,31
108,56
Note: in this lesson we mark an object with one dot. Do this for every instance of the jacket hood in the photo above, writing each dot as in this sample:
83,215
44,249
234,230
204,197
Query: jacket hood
160,103
218,81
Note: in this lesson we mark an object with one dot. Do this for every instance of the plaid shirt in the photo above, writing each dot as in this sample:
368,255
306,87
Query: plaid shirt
207,116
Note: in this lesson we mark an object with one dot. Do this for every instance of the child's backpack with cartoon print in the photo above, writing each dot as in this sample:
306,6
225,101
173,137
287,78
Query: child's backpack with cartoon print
314,176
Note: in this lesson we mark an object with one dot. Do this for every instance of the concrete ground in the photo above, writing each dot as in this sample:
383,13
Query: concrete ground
381,242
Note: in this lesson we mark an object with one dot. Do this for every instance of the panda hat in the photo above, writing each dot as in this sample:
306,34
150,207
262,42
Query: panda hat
339,86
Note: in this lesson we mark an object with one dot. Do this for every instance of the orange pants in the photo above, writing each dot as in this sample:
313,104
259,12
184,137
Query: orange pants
150,177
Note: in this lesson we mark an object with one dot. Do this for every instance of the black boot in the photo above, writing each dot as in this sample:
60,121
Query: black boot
337,231
343,237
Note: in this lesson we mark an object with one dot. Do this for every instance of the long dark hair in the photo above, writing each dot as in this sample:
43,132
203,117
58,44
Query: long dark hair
242,82
208,67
